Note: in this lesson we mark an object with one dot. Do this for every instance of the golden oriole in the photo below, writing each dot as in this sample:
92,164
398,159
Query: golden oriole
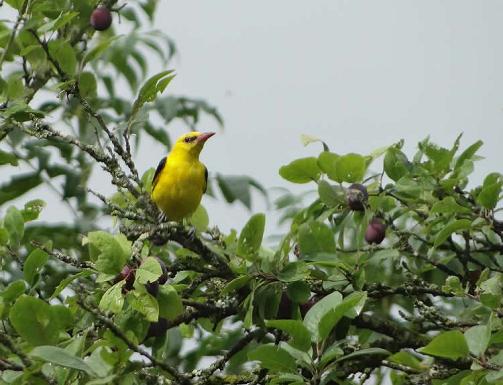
180,179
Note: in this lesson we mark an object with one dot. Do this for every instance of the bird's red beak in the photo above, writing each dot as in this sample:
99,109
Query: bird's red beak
205,136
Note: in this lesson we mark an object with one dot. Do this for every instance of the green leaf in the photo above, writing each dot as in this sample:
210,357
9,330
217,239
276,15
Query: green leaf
170,303
319,310
327,161
302,170
61,21
95,52
396,164
324,315
110,252
13,290
346,168
350,307
299,291
18,186
236,284
65,282
406,359
16,4
332,196
294,271
452,227
251,236
477,338
468,154
15,90
61,357
34,321
364,352
200,219
316,237
35,260
248,303
112,300
330,354
106,380
146,305
4,236
351,168
238,187
64,54
453,285
491,190
300,335
451,344
273,358
32,209
62,316
158,134
148,92
440,158
449,205
7,158
87,84
14,224
149,271
21,112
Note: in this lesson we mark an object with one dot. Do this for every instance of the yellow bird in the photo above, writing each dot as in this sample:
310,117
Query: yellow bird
181,179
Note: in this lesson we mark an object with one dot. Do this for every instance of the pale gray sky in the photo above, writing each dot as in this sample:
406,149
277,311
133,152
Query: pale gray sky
360,74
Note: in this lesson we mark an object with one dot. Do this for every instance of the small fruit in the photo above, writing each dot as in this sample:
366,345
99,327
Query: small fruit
158,329
101,18
152,288
357,197
376,231
164,276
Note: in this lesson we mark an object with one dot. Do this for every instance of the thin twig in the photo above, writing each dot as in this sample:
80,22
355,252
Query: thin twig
219,364
182,379
20,17
63,257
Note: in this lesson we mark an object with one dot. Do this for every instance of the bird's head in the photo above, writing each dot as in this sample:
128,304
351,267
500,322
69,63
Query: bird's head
192,142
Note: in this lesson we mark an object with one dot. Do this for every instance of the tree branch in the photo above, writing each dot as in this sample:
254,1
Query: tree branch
179,377
12,36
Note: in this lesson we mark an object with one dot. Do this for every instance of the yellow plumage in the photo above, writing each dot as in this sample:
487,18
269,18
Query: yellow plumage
180,179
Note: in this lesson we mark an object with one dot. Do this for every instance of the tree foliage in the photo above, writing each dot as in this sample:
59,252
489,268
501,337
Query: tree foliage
149,302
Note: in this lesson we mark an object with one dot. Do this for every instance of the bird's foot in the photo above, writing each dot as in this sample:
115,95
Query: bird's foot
191,233
161,217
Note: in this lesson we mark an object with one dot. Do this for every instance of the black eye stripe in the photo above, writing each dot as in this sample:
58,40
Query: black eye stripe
189,139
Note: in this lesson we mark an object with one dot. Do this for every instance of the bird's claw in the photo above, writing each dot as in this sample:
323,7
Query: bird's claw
191,233
161,217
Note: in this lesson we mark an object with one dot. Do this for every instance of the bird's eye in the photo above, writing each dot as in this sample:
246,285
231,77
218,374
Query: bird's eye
189,139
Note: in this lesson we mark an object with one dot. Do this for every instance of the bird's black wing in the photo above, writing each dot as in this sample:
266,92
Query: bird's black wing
158,170
205,179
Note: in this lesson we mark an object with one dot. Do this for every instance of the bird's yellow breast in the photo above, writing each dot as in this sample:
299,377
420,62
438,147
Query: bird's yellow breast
180,187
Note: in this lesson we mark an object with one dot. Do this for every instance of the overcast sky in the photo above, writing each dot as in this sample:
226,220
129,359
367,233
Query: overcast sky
360,74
